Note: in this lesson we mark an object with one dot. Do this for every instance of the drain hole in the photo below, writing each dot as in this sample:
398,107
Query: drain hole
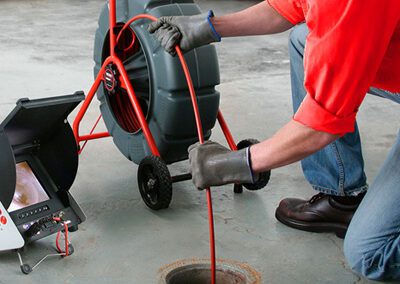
198,271
200,274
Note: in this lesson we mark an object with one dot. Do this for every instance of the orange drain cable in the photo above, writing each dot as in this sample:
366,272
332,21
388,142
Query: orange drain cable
199,132
201,139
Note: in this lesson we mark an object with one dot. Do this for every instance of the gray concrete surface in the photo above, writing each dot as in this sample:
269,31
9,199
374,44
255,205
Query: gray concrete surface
46,50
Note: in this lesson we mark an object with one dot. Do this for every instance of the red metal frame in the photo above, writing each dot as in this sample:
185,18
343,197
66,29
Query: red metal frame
113,59
124,81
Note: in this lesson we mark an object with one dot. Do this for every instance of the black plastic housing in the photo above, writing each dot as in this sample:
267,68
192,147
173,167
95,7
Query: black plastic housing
37,132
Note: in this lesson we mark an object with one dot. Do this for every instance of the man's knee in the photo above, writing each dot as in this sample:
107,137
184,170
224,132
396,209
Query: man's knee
372,259
297,38
353,254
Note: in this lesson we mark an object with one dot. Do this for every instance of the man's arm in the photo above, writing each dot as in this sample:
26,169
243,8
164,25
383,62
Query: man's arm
290,144
213,164
195,31
259,19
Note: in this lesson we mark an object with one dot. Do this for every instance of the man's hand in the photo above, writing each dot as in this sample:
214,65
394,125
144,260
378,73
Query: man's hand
187,31
213,164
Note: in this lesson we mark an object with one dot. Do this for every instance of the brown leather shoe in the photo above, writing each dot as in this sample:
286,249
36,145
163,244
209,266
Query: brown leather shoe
320,214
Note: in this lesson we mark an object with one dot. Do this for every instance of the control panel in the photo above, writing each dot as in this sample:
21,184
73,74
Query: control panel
36,228
33,212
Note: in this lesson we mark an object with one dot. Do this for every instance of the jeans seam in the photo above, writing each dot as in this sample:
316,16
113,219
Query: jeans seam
339,163
323,189
334,192
391,93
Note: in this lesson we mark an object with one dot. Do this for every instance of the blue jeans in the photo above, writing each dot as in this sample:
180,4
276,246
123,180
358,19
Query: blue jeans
372,243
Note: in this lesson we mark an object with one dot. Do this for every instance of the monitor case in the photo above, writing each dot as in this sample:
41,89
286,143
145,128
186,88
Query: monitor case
37,132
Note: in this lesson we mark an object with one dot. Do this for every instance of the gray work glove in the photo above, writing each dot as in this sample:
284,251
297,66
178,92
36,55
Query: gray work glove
213,164
187,31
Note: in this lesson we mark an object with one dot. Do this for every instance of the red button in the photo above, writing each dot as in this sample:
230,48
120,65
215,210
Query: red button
3,220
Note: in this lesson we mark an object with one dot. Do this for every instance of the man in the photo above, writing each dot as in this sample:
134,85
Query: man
339,51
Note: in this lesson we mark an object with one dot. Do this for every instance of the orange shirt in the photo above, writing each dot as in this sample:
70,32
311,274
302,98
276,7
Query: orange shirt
352,45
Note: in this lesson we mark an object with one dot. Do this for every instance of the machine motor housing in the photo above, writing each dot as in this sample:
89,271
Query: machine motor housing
159,83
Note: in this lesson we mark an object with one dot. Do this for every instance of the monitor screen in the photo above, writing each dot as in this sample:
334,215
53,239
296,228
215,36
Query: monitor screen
28,190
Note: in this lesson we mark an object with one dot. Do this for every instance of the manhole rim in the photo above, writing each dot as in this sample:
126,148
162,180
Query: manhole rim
252,276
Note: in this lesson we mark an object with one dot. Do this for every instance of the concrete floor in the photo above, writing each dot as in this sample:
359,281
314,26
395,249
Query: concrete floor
46,50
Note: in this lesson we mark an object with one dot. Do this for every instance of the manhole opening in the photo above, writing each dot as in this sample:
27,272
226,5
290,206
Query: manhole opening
201,274
198,271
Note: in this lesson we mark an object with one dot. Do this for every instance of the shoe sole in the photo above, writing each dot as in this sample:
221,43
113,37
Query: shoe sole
315,227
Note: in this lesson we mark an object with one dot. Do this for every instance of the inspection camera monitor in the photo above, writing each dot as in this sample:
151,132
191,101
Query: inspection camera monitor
38,165
28,191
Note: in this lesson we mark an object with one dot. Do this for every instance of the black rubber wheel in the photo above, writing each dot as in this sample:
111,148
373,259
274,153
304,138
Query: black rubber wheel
264,177
155,183
237,188
26,269
73,228
71,249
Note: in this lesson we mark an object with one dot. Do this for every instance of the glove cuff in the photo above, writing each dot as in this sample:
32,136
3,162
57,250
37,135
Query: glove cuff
253,175
210,15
